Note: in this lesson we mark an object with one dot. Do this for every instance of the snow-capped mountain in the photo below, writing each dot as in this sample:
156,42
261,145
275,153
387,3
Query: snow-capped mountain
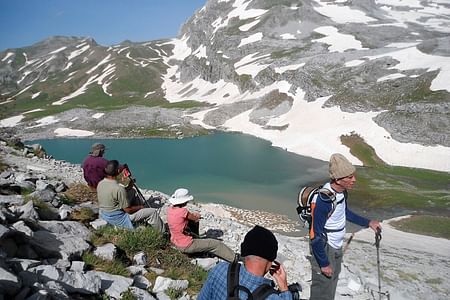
298,73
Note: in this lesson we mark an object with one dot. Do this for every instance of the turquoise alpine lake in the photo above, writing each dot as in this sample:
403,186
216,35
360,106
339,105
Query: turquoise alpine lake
234,169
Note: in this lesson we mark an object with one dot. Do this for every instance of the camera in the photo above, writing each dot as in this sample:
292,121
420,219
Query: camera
295,289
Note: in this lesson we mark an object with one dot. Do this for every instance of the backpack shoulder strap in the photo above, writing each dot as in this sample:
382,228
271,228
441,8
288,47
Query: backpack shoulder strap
233,286
263,291
232,278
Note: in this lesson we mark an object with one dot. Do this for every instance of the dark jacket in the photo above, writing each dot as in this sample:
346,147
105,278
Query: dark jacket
93,169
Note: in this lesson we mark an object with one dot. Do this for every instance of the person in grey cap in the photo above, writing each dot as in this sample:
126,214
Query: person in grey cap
94,165
327,229
259,250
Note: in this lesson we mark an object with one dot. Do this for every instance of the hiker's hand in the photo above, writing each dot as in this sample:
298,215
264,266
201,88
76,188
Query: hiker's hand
327,271
375,225
281,279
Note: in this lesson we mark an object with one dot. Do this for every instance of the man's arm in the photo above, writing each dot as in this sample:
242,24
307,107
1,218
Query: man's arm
361,221
319,212
281,280
133,209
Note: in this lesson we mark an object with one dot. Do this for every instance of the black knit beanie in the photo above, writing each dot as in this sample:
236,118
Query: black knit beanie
260,242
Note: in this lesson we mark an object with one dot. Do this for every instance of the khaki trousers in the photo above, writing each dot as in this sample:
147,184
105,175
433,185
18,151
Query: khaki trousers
150,216
210,245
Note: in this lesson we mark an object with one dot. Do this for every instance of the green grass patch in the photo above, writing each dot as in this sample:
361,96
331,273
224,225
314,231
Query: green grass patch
434,281
359,148
404,276
437,226
3,166
115,267
83,215
382,186
158,250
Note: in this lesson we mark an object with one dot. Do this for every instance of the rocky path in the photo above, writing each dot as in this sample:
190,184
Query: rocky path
412,266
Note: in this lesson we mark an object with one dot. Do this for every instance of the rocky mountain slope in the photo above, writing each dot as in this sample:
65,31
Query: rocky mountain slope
286,71
41,249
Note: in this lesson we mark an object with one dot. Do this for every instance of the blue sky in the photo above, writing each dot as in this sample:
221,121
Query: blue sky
25,22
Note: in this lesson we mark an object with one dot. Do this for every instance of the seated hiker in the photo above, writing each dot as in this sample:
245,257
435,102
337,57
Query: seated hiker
178,217
114,205
233,281
94,165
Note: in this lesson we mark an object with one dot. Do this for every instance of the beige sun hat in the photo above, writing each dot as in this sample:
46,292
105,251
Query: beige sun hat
180,196
340,167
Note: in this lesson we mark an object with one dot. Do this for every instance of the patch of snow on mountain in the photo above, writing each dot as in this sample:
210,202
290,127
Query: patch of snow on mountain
80,45
33,110
181,50
288,36
247,64
69,64
149,93
342,14
240,11
103,61
22,91
338,41
98,115
248,26
58,50
8,55
25,74
404,3
283,69
427,14
224,92
354,63
402,25
11,121
251,69
45,61
45,121
72,132
76,53
401,45
251,39
199,116
391,76
412,58
122,49
200,52
35,95
249,59
301,135
105,88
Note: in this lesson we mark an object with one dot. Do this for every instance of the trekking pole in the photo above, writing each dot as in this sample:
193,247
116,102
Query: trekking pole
377,245
348,242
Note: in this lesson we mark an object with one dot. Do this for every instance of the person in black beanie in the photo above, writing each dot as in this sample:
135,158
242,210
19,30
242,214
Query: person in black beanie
258,250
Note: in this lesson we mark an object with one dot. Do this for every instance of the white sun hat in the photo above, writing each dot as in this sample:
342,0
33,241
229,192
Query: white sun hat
180,196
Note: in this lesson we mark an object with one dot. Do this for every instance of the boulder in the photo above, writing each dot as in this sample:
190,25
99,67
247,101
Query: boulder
73,282
9,283
113,285
107,251
66,246
11,200
164,283
140,294
27,212
67,228
46,195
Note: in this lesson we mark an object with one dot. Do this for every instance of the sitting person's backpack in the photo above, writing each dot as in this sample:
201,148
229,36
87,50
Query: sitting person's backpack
306,196
233,286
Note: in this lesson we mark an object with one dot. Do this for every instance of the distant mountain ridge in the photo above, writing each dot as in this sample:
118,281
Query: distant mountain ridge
376,68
